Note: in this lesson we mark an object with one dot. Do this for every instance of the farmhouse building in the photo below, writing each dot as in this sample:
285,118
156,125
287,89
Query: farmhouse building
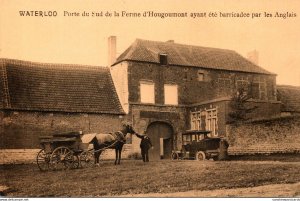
167,88
39,99
163,88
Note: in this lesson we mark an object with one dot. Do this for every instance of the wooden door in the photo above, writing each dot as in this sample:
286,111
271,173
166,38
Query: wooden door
161,135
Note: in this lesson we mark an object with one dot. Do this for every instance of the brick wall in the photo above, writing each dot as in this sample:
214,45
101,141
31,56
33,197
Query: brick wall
21,130
280,135
215,84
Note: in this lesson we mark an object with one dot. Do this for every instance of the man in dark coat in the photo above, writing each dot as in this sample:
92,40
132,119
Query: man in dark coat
145,146
223,149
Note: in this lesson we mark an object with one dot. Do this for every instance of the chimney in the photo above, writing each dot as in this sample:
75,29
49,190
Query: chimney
112,50
253,56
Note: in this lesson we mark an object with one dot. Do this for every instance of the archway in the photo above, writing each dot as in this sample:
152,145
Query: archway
161,135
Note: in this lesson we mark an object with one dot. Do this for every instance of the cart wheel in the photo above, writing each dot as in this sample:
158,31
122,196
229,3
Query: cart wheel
87,159
62,158
200,156
76,162
174,156
43,160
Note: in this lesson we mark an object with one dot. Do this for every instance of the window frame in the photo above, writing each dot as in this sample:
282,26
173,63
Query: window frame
163,59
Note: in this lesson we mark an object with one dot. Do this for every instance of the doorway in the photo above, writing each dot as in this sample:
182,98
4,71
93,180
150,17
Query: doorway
161,135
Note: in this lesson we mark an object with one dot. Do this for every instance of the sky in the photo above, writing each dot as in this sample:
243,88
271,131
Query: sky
83,39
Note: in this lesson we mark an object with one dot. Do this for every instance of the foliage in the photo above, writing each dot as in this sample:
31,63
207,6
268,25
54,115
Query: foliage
239,107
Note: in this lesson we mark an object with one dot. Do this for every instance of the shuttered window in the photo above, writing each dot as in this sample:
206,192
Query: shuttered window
171,94
147,92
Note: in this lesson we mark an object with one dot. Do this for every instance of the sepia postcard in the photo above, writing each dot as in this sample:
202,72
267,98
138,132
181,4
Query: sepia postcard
149,99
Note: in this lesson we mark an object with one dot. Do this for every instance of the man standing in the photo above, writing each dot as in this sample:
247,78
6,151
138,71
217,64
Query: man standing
145,146
223,149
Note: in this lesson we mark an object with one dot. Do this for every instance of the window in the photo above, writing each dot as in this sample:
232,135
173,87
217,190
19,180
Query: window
211,121
200,76
147,92
243,84
259,90
224,82
198,120
163,59
171,94
255,90
195,121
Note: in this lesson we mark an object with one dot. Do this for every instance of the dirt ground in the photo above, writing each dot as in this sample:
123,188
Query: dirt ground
166,178
274,190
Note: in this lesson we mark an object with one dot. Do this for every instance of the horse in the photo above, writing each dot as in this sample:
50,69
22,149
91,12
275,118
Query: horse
111,140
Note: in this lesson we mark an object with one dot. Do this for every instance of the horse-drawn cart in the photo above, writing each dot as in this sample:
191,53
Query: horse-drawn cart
64,151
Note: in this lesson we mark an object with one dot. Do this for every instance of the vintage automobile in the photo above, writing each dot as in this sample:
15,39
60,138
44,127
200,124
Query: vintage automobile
198,146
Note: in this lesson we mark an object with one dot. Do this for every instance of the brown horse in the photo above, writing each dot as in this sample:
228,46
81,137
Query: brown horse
112,141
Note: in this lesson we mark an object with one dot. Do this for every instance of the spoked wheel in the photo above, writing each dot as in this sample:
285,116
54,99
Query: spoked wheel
43,160
200,156
62,158
76,162
87,159
174,156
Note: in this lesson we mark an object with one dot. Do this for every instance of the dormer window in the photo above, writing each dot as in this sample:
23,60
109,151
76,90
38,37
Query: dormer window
163,59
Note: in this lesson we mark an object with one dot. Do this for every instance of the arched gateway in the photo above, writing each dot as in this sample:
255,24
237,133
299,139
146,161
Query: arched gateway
161,135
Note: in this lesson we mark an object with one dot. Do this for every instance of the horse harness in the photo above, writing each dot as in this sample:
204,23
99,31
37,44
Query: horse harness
119,136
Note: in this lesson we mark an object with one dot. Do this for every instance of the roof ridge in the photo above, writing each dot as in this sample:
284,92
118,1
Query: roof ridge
186,45
50,65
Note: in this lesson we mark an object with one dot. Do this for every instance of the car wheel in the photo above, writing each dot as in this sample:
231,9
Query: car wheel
200,156
174,156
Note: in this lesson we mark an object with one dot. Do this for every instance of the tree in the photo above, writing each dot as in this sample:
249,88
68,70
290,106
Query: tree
239,107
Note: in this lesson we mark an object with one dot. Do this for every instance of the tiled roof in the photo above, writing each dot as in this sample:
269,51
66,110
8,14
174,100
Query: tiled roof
57,87
188,55
290,98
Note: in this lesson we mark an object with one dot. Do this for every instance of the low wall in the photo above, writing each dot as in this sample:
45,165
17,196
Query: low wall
21,156
21,130
281,135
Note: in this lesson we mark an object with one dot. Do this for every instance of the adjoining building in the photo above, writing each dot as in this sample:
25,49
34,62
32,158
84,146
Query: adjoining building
290,98
39,99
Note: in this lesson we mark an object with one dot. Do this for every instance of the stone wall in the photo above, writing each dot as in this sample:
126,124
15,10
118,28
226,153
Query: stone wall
280,135
192,89
21,130
143,115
